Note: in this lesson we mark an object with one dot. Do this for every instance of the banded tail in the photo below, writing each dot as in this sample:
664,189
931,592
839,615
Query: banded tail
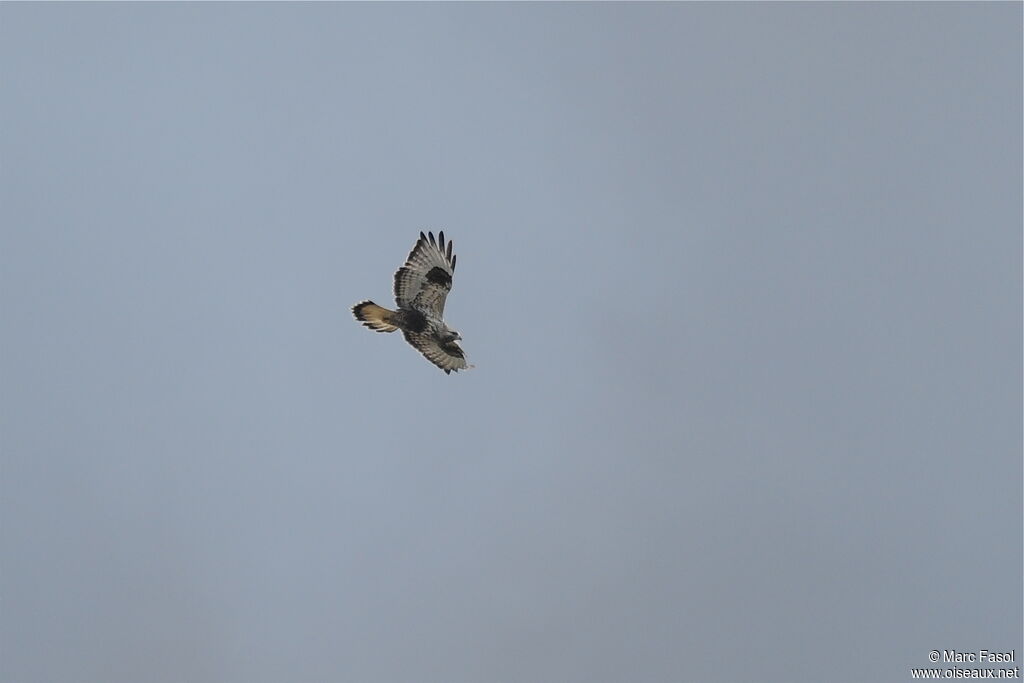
375,317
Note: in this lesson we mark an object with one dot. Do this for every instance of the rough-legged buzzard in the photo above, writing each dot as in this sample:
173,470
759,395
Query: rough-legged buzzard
421,287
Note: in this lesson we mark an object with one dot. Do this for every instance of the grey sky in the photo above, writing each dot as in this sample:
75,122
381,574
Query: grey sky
742,284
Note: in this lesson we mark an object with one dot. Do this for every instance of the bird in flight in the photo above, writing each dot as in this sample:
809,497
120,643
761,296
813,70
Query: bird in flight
421,287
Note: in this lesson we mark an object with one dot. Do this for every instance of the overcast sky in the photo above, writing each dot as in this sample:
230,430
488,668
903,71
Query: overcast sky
742,284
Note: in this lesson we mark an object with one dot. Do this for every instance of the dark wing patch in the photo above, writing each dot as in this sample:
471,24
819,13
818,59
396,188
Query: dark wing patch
426,278
448,357
439,276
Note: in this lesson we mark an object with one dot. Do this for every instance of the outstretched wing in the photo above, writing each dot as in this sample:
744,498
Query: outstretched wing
448,356
424,281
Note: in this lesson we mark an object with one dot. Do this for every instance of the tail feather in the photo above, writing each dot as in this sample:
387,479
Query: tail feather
373,316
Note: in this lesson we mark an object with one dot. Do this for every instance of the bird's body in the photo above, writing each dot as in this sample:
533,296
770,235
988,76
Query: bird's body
421,288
